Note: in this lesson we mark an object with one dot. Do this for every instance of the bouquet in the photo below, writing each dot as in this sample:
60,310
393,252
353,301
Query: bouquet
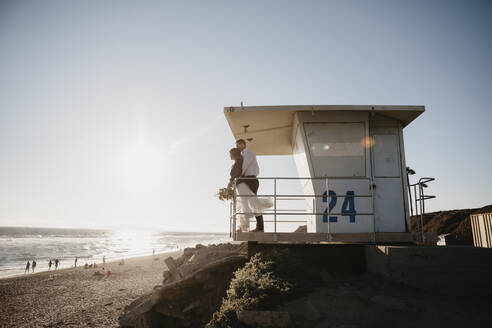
225,193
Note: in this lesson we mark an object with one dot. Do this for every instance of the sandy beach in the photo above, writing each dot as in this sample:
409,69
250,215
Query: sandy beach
77,297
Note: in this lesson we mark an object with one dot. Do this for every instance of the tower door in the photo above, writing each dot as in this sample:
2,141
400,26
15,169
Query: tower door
388,193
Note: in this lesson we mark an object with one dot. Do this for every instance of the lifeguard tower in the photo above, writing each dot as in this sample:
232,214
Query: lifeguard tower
351,166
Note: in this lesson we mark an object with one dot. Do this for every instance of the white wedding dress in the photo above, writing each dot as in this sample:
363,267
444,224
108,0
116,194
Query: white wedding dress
254,206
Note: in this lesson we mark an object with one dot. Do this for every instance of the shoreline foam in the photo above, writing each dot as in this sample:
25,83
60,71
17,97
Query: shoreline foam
112,261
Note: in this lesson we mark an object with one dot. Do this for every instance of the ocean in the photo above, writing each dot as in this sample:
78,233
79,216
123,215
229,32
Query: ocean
21,244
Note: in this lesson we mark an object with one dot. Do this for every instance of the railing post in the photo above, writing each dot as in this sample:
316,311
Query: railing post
371,186
328,204
234,211
422,211
416,202
275,205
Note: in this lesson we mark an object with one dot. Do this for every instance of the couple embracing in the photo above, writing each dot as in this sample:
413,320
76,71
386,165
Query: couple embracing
246,170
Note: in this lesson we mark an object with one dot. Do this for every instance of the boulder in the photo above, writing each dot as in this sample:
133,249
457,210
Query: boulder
265,318
172,265
302,228
166,274
390,302
301,310
191,290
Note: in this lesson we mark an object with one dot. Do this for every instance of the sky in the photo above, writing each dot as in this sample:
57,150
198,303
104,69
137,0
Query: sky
111,112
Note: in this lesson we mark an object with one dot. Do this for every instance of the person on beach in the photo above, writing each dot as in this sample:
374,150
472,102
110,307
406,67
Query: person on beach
75,262
249,205
33,265
104,259
57,261
50,263
28,266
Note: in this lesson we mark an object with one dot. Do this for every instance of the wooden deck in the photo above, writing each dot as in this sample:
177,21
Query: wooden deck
347,238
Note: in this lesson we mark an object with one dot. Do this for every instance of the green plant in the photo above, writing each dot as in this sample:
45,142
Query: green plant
260,285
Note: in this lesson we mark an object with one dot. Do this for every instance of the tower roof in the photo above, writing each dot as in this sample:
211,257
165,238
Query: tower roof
271,126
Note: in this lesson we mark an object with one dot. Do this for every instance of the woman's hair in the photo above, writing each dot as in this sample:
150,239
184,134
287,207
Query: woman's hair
235,153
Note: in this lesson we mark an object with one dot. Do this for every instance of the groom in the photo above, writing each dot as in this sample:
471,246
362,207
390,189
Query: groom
251,170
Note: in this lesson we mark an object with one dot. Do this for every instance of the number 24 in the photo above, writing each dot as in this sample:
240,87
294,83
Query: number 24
348,206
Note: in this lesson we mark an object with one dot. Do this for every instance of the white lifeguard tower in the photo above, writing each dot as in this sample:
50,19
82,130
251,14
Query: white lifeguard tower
351,164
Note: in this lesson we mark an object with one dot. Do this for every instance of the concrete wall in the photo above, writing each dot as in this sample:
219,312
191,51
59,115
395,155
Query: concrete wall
447,270
455,270
348,258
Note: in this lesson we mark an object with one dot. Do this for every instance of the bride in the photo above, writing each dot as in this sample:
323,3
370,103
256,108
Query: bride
251,205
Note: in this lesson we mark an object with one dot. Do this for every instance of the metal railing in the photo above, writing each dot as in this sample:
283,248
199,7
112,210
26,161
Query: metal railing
419,198
293,197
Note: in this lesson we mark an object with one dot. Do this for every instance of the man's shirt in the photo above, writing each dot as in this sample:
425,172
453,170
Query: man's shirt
250,165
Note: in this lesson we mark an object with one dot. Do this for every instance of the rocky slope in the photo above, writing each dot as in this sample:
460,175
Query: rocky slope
453,221
192,288
252,293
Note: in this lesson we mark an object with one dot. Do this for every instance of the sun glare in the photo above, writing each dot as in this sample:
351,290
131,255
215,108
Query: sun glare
133,241
141,164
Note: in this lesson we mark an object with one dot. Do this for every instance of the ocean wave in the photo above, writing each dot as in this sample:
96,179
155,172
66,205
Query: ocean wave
24,244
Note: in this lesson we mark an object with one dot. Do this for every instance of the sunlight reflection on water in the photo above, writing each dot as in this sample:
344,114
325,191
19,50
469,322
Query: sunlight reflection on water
19,245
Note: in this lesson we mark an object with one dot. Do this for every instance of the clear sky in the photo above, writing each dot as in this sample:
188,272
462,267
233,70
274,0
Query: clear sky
111,112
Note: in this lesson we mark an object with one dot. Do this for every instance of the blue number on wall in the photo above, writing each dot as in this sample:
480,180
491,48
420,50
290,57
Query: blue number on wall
348,206
333,202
